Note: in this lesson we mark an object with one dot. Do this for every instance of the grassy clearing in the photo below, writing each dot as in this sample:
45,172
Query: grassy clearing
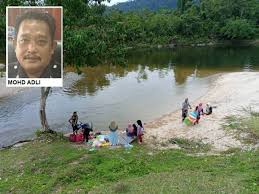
63,167
245,128
176,182
192,146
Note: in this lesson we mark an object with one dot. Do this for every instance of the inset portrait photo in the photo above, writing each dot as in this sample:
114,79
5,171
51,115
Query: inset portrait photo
34,47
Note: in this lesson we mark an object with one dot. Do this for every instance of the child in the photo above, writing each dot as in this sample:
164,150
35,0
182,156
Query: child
140,131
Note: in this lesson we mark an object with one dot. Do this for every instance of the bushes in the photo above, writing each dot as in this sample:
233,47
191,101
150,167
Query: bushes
238,29
92,36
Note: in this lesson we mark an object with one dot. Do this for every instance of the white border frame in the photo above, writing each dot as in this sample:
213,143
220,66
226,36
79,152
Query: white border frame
31,82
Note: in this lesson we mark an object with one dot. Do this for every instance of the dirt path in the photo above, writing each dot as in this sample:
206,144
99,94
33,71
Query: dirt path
230,93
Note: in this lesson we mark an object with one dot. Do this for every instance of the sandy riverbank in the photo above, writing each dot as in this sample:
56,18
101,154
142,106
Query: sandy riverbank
230,93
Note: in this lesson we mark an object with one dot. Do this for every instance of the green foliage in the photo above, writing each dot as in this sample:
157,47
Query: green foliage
92,36
183,5
2,33
140,5
238,29
49,136
191,23
3,5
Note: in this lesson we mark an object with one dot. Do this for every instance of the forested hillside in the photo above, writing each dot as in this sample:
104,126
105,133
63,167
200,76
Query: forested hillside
145,4
91,36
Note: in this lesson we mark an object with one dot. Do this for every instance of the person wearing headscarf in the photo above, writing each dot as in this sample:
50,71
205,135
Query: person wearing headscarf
199,111
113,135
185,107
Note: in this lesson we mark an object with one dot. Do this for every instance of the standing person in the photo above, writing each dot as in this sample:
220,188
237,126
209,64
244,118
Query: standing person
87,128
199,111
73,121
34,44
140,131
113,136
185,107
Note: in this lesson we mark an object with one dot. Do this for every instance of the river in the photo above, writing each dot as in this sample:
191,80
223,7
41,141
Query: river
152,83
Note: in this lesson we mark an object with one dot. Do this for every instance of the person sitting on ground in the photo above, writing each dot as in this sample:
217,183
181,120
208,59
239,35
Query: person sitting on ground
208,110
135,129
140,131
113,136
73,121
130,130
86,131
185,107
199,111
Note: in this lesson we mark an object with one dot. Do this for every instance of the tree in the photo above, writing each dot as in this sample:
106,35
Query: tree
183,5
83,5
238,29
43,118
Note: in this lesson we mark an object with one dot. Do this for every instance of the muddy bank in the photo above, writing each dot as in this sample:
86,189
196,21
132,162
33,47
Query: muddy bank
230,93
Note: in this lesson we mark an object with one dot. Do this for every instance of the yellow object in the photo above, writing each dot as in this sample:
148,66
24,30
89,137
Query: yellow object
104,144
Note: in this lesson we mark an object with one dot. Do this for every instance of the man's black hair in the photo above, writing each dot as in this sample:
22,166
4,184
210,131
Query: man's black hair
33,15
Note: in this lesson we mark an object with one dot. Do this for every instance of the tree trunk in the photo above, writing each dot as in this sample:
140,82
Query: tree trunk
43,117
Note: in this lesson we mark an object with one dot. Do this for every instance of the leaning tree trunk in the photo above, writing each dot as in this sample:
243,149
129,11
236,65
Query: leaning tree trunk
43,118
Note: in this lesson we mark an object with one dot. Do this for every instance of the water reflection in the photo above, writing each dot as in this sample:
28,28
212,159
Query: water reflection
153,82
97,78
2,67
184,62
2,58
198,62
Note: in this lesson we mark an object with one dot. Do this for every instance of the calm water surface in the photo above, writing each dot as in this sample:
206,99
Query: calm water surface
153,82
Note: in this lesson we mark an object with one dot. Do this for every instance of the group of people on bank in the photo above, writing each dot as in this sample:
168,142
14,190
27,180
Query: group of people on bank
133,131
197,112
136,130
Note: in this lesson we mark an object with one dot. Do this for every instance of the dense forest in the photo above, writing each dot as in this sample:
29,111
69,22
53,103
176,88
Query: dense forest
92,36
152,5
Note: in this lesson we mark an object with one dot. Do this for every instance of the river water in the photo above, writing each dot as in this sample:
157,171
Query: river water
152,83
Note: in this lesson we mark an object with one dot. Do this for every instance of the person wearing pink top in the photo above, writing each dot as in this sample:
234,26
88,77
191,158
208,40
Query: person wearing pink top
199,111
140,131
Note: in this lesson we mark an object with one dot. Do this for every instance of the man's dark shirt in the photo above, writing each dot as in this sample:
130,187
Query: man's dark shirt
53,70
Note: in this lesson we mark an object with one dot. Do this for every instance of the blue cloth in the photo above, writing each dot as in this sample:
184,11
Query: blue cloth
113,138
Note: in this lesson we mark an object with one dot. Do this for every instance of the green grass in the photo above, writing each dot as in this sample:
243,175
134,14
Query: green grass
63,167
245,128
192,146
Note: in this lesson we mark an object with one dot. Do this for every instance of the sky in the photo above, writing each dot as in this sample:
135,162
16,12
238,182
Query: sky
115,2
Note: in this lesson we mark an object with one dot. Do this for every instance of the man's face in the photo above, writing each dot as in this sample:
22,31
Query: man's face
34,46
